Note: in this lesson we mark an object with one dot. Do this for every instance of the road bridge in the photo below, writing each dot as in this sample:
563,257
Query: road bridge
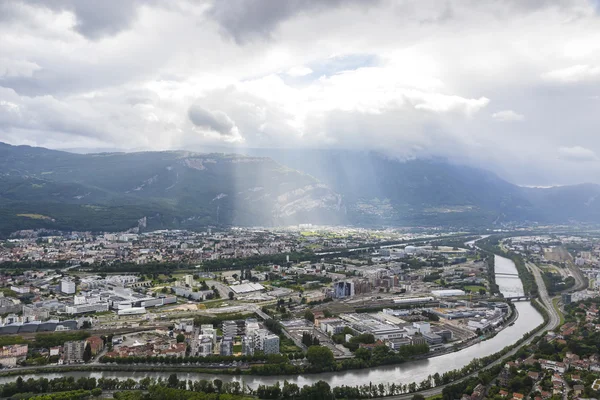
518,298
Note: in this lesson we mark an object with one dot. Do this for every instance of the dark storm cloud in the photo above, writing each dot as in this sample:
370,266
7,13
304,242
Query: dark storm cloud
216,121
244,19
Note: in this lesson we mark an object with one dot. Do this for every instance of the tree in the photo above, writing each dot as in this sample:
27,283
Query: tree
87,353
86,325
231,295
173,381
362,353
180,338
289,390
308,315
418,397
319,356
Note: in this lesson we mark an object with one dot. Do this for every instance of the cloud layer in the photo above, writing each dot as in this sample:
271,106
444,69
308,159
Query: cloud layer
512,86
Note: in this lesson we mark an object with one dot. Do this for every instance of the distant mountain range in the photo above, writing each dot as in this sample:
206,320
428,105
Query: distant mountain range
41,188
380,190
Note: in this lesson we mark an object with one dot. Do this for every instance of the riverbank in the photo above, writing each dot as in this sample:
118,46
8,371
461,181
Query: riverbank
238,370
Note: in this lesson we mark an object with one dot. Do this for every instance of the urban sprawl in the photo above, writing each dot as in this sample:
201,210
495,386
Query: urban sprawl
305,298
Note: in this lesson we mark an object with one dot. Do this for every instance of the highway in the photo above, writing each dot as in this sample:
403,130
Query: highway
553,322
544,296
580,282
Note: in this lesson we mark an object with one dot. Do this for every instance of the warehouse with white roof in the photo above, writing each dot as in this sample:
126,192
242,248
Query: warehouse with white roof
244,288
448,293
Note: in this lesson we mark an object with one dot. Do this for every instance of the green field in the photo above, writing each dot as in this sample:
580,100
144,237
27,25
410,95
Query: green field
34,216
555,305
474,288
286,345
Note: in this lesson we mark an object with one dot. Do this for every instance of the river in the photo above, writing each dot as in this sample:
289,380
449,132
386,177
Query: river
413,371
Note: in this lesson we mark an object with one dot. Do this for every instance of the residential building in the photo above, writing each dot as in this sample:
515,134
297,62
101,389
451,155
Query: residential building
73,351
226,346
271,344
8,362
205,346
96,344
14,350
234,328
248,345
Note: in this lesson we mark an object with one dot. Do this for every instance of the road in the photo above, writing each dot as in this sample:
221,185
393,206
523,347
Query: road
553,322
580,282
544,296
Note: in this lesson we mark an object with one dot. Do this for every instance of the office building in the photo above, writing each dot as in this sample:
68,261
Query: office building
67,286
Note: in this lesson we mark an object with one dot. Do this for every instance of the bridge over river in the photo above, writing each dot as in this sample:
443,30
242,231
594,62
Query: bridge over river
507,275
518,298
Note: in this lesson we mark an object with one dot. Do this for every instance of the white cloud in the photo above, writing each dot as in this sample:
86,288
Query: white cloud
573,74
407,77
508,116
11,68
299,71
577,153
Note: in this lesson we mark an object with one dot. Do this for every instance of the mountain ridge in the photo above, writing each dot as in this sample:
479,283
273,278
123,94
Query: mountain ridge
171,189
187,189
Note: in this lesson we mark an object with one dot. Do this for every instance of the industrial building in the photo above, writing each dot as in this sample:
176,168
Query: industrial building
245,288
131,311
413,300
448,293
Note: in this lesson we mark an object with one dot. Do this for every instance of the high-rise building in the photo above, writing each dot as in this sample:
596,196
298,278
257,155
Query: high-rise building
67,286
343,289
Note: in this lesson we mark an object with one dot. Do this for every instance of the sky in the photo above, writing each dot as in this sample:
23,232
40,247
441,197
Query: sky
512,86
